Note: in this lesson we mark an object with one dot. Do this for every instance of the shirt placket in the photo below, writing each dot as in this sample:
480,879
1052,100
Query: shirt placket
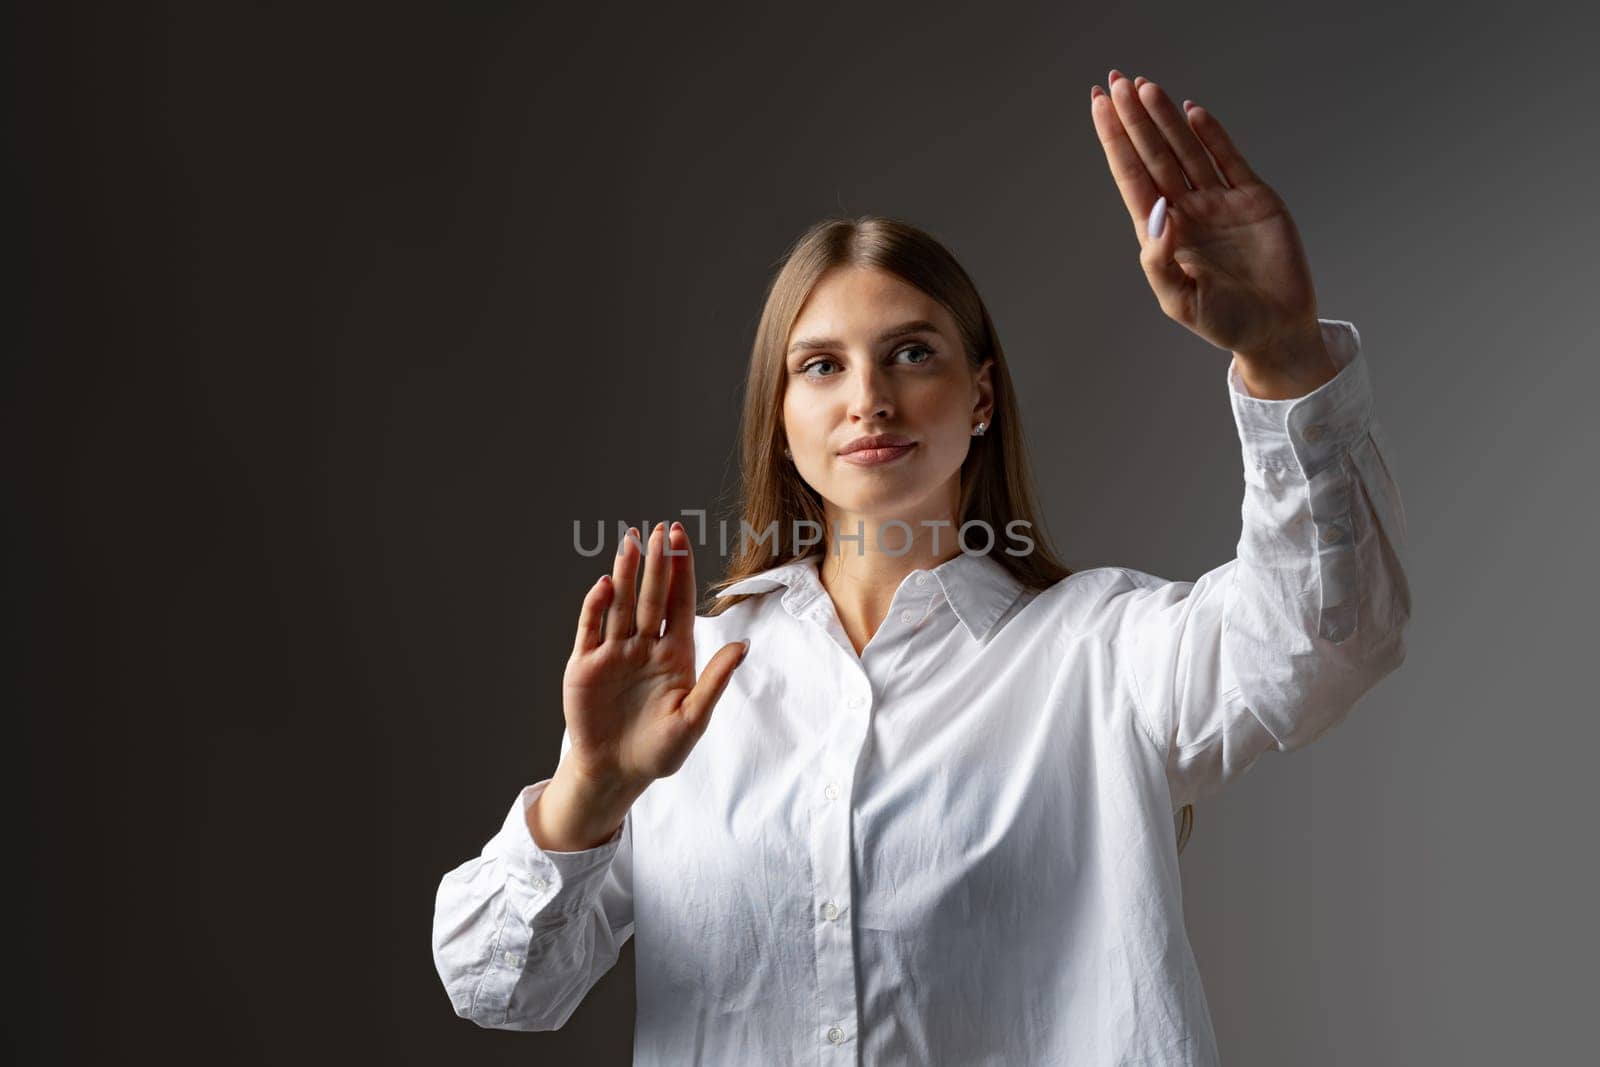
832,844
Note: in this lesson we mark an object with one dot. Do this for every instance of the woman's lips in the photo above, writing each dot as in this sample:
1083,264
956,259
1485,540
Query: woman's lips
871,457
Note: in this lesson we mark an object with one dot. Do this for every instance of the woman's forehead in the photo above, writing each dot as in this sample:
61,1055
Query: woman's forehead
865,303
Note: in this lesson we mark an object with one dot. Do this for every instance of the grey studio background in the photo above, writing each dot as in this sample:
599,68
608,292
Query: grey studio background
332,321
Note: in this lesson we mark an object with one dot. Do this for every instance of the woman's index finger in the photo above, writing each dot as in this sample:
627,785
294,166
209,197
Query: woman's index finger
1133,180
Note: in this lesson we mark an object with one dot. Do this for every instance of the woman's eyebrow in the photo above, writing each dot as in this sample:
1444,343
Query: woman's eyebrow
914,326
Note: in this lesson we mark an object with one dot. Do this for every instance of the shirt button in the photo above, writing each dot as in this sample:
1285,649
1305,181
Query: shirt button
1332,534
540,883
835,1035
830,911
922,579
906,616
1314,432
830,791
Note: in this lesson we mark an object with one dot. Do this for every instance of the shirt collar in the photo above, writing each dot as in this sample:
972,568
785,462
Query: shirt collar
979,589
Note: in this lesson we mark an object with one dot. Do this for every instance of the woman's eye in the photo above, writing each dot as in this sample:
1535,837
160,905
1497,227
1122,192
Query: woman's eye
927,354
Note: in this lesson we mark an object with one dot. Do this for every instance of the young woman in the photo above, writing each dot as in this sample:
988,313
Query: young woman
931,820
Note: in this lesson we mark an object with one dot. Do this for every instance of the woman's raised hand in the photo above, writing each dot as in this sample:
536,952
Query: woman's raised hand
633,708
1227,262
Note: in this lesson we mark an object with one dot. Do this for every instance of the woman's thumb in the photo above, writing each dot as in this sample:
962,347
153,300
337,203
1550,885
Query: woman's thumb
713,680
1166,277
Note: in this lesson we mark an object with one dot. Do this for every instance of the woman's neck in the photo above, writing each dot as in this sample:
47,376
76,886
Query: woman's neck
861,578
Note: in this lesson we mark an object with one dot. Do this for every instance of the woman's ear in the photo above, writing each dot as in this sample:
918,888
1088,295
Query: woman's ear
983,411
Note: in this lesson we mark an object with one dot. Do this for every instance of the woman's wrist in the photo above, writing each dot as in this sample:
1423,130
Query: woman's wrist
1289,369
574,814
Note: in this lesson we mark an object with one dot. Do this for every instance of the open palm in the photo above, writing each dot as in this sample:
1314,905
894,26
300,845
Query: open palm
633,708
1228,263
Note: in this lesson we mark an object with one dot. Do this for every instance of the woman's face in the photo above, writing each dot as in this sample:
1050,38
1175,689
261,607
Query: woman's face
870,354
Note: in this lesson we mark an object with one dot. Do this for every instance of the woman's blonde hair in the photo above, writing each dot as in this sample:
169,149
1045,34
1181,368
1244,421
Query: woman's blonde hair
996,480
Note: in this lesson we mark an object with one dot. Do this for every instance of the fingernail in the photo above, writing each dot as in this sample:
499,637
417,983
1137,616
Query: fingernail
746,643
1187,104
1113,76
1138,81
1158,218
1094,91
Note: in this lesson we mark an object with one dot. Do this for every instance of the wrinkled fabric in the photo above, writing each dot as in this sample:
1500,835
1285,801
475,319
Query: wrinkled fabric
958,847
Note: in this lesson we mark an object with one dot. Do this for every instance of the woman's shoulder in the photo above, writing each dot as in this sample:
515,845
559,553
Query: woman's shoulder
736,618
1092,600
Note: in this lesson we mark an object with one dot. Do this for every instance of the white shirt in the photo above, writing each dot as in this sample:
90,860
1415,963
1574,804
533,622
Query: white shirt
958,847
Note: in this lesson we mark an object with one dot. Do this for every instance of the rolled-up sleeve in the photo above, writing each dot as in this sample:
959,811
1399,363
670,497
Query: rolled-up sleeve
521,934
1274,647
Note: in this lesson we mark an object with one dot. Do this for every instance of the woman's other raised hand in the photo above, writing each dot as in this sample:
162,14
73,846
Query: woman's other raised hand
1217,244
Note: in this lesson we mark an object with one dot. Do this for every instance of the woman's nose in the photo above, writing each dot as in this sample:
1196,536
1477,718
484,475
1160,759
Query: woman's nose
870,397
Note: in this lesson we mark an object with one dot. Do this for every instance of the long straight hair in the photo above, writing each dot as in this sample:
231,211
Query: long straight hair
996,479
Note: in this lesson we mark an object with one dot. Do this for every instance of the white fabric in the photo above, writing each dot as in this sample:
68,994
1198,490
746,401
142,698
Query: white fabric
958,848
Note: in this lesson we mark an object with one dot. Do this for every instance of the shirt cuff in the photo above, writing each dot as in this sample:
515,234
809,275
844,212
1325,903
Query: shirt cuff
1309,432
550,873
